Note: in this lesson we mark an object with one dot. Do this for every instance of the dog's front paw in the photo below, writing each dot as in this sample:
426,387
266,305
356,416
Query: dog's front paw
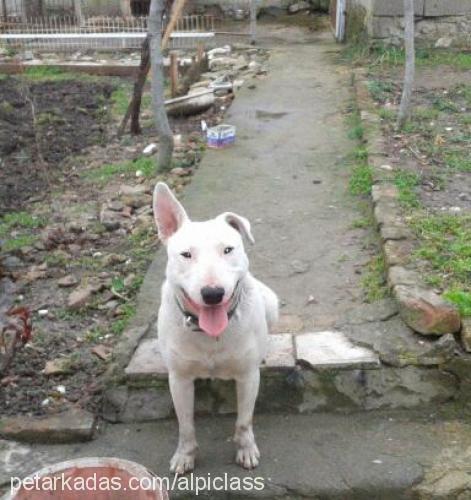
248,456
182,462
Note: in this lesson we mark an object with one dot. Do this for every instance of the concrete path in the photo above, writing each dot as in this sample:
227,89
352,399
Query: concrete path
287,174
365,456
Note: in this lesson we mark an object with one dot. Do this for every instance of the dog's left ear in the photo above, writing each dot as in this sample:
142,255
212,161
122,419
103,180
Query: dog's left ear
239,223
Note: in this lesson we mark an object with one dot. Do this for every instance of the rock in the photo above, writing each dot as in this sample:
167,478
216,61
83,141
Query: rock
125,189
79,297
35,273
57,366
102,351
398,275
72,425
67,281
146,362
116,206
298,7
12,263
219,51
137,200
219,63
426,312
466,333
113,259
110,219
300,266
397,252
179,171
150,149
444,43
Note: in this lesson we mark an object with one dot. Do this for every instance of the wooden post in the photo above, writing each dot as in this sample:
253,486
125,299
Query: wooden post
177,10
253,21
199,52
173,73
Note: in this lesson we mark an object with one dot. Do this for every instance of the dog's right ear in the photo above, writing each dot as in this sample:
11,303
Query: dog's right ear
169,214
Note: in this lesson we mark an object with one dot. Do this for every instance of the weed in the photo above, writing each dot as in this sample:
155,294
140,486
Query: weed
380,90
54,74
118,326
387,114
120,100
406,182
361,180
362,223
374,281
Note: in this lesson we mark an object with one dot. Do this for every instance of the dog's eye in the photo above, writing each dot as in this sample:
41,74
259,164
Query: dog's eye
186,255
228,250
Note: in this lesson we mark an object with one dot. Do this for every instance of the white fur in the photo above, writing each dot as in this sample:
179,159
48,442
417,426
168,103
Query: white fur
239,350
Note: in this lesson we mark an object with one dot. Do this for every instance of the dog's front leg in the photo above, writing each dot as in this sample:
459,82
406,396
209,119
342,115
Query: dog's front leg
247,389
183,395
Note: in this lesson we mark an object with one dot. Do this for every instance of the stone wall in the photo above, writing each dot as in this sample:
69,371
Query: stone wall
441,23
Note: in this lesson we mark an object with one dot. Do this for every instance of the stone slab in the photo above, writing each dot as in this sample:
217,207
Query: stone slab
280,353
446,7
147,361
332,349
65,427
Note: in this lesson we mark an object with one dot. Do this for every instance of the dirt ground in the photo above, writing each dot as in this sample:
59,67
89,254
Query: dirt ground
76,218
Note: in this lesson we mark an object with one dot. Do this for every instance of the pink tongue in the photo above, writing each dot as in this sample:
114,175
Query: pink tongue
213,320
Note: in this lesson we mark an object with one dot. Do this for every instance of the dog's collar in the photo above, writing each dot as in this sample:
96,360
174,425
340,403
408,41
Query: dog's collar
192,321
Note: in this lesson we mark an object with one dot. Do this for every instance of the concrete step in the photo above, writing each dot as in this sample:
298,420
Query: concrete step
307,372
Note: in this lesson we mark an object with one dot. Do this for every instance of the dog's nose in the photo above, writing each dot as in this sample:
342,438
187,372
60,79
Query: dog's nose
212,295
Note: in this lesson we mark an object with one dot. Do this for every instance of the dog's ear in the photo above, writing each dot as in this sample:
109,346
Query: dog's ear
239,223
169,214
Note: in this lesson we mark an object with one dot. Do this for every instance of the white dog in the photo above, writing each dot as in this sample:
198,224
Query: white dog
213,321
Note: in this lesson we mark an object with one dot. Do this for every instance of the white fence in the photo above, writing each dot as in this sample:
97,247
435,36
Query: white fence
99,32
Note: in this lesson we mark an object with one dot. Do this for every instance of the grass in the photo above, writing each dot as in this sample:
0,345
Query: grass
406,182
392,56
15,220
19,221
373,281
104,173
460,162
445,245
461,299
53,74
120,100
361,179
12,244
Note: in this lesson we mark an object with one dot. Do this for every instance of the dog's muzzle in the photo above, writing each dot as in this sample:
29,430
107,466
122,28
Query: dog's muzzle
192,321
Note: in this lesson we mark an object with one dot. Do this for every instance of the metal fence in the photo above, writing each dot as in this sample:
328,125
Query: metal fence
70,32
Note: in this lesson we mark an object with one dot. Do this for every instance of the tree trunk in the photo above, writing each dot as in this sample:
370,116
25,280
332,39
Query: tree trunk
157,73
405,107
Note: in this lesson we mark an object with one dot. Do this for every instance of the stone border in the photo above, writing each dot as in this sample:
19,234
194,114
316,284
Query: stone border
419,306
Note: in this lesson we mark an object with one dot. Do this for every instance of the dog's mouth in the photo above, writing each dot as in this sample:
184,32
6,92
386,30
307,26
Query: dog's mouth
212,320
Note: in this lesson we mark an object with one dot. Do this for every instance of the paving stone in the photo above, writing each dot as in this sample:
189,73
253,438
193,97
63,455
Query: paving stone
332,350
72,425
147,361
398,275
280,351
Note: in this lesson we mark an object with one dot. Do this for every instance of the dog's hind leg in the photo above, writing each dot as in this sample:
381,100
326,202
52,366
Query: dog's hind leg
183,395
247,451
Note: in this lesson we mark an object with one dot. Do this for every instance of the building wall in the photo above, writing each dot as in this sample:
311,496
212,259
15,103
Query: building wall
438,22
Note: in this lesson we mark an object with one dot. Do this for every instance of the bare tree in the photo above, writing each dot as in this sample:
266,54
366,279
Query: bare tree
157,86
409,74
